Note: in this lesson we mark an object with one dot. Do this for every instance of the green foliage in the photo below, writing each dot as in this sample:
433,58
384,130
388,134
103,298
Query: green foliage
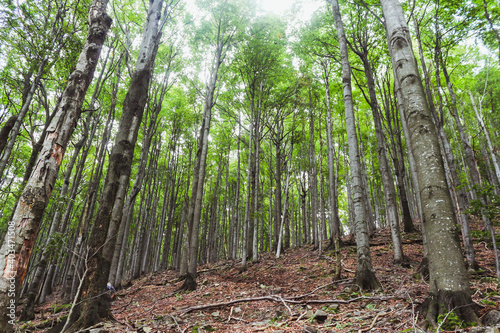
55,244
488,302
478,207
450,321
56,308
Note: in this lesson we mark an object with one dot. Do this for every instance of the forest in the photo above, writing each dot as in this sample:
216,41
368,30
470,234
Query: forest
162,139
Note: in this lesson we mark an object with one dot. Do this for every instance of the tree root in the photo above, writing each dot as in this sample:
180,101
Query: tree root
366,280
436,308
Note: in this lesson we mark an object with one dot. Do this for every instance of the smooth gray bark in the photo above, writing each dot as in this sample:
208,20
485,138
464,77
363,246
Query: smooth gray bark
365,277
449,285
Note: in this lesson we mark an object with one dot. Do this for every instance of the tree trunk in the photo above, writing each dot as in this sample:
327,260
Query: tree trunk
365,277
449,285
314,178
457,192
101,245
384,167
4,132
116,270
332,184
197,193
24,226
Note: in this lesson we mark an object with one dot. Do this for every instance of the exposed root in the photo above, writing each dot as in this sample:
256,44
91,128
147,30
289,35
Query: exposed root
438,307
366,280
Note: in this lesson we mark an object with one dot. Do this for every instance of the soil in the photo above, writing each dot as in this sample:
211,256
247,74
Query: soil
294,293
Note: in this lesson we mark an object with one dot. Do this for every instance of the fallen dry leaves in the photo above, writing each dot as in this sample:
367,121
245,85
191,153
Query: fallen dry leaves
284,295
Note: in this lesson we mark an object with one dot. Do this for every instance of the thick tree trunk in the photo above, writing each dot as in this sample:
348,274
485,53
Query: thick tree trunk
449,285
23,228
101,244
115,276
365,277
456,190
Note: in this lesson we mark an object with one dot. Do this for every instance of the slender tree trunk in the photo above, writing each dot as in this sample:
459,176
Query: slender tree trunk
14,131
365,277
482,199
285,204
277,197
197,194
248,205
332,184
314,178
479,116
384,167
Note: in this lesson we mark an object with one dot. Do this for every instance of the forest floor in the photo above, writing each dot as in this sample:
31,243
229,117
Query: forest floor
285,294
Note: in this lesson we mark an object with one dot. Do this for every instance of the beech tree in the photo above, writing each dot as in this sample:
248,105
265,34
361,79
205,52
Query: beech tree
365,277
27,217
210,146
223,28
449,285
104,232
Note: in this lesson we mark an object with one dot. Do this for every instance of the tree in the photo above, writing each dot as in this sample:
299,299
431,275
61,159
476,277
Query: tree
103,236
449,285
360,45
222,29
27,217
365,277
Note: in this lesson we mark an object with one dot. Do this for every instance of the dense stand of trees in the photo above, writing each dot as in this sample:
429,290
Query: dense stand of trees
140,137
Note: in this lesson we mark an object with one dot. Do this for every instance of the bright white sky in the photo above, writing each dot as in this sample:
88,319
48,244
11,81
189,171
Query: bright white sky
279,7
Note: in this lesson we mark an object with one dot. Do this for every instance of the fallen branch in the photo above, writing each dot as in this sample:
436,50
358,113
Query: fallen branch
279,299
380,314
241,300
341,301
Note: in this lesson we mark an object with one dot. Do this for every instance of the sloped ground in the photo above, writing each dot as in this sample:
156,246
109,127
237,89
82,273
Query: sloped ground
284,295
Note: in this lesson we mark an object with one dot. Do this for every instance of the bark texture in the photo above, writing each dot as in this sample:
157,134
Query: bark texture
23,228
365,277
449,285
101,244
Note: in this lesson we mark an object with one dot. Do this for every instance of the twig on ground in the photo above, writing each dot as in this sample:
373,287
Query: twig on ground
302,315
176,323
290,310
380,314
124,307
